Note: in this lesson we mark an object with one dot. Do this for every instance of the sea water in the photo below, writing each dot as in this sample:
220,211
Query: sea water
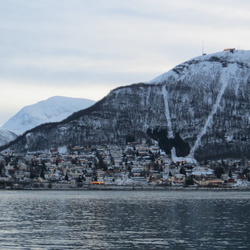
171,219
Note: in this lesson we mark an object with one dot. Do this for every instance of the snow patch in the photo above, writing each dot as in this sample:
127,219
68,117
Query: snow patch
176,159
167,112
62,150
242,183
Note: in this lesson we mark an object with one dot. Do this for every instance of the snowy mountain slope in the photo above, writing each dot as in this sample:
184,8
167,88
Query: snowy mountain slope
200,109
53,109
207,63
6,136
220,86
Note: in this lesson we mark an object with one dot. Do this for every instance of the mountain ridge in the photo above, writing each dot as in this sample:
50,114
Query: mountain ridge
53,109
6,136
203,103
241,57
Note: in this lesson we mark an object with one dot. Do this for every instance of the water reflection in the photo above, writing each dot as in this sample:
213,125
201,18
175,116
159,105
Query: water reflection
124,220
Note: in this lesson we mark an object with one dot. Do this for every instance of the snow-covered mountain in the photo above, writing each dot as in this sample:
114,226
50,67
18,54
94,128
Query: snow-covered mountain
6,136
200,109
53,109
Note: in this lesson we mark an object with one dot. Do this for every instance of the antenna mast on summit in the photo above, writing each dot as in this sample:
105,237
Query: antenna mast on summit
202,49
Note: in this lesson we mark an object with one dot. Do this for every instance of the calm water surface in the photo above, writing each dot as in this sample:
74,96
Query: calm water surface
124,220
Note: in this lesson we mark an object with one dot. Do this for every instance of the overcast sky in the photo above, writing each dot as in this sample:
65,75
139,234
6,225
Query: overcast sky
85,48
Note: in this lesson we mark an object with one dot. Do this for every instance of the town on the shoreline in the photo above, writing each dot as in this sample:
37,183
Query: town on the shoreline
133,164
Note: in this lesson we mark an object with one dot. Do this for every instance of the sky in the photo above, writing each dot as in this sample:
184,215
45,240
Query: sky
86,48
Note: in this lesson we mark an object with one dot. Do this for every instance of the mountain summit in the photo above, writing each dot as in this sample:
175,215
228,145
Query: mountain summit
198,110
209,95
53,109
6,136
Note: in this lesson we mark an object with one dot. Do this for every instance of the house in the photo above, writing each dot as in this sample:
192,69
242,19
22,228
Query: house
230,49
210,182
177,179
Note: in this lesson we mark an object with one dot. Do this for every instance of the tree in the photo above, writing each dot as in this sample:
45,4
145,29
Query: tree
2,165
182,171
42,174
219,171
165,143
66,177
189,180
79,178
130,138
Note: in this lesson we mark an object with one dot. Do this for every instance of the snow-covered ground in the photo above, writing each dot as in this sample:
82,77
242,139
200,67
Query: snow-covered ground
241,56
6,136
53,109
242,183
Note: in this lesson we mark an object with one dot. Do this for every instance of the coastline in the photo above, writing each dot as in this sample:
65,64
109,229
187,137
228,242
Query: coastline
91,187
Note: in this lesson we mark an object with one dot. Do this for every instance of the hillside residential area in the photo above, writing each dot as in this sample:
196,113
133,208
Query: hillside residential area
132,165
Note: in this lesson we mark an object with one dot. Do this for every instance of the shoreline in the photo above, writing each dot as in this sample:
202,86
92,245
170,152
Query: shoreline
88,187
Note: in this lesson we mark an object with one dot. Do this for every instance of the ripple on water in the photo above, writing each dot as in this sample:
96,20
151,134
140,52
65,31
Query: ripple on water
124,220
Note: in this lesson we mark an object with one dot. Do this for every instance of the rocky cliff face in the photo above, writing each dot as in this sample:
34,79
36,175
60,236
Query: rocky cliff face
203,103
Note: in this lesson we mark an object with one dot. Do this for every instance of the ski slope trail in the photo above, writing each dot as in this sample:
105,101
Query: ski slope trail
169,124
167,112
226,76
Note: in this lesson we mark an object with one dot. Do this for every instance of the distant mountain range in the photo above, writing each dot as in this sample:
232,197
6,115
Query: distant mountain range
198,110
6,136
53,109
